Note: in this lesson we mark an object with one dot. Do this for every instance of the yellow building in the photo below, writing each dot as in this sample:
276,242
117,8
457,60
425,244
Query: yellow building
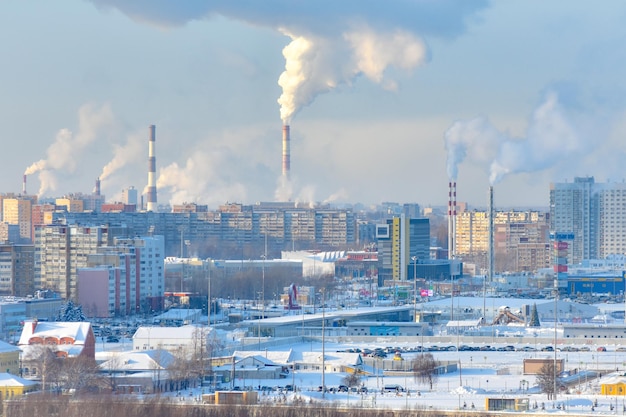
13,386
615,385
72,205
9,358
18,211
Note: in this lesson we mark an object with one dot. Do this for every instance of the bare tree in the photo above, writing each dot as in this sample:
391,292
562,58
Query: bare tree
425,369
546,379
43,360
81,374
351,380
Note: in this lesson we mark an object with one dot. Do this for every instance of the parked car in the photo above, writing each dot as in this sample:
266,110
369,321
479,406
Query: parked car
393,388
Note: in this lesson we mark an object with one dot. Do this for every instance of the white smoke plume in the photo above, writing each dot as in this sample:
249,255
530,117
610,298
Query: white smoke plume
215,172
284,190
124,154
332,42
315,65
552,136
476,139
63,154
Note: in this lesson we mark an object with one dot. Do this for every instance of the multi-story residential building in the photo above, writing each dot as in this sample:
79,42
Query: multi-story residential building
17,270
594,213
401,239
9,233
574,209
129,196
116,273
60,250
148,283
18,210
612,219
281,225
521,239
123,278
71,203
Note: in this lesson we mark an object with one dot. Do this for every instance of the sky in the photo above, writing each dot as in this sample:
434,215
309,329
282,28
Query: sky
386,101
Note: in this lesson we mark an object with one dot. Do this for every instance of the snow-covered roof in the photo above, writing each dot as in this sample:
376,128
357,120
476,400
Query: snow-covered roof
463,323
135,361
339,358
7,347
282,357
10,380
162,332
78,331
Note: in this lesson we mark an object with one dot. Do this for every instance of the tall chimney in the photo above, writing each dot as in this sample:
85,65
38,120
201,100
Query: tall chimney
286,152
454,219
97,189
152,192
24,185
450,227
491,233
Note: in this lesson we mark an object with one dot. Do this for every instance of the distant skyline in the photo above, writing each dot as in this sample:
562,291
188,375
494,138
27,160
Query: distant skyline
386,101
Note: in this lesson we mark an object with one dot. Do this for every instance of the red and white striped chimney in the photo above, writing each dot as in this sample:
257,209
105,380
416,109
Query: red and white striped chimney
451,218
286,152
24,185
97,189
152,192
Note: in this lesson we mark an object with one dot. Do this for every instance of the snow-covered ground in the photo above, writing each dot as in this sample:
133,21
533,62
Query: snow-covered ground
482,375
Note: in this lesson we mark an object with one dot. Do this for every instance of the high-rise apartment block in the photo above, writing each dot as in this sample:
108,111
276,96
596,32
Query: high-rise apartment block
402,241
521,239
18,210
124,278
594,213
60,250
129,196
17,263
281,225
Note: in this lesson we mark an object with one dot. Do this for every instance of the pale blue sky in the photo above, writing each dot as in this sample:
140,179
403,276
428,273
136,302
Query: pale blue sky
80,81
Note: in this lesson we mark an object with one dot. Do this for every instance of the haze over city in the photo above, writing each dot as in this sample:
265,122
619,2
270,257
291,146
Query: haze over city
386,101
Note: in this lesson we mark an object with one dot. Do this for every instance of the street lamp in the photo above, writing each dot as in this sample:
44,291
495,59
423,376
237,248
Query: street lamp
414,259
209,289
262,296
323,343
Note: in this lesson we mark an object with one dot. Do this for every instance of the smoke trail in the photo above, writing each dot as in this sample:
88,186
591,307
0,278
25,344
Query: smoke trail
552,136
476,139
332,42
315,65
62,155
124,154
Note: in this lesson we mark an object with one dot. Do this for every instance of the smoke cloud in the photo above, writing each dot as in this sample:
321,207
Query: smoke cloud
63,154
124,154
552,136
476,139
332,42
315,65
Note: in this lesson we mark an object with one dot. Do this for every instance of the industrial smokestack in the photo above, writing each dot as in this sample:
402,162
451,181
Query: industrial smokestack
96,190
491,233
453,236
24,185
152,192
286,152
451,219
450,227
